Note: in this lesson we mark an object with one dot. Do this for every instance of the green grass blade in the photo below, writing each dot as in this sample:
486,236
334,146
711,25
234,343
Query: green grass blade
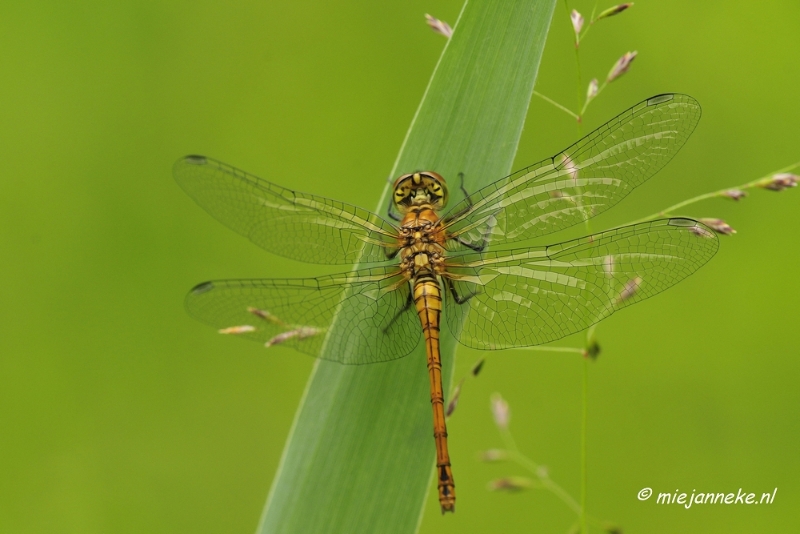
360,455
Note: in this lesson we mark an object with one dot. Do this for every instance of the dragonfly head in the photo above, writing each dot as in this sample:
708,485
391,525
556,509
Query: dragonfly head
420,188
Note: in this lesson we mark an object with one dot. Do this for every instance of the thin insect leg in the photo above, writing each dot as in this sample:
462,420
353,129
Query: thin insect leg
405,308
476,248
456,297
393,215
464,189
467,198
485,238
485,241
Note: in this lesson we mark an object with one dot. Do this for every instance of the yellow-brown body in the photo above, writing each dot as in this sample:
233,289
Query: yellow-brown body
418,196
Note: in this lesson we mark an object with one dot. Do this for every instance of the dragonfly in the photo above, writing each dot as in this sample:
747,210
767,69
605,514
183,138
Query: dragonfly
420,267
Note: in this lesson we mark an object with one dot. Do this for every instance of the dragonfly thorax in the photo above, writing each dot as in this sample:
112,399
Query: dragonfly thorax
422,258
420,188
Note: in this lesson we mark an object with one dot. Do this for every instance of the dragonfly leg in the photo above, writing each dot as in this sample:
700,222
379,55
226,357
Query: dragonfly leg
464,189
405,308
456,297
484,239
476,248
393,215
391,254
466,198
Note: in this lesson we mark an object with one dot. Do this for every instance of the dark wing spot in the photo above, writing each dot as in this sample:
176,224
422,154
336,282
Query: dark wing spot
196,160
199,289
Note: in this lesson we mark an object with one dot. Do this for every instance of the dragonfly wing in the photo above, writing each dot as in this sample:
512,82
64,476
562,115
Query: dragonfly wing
292,224
537,295
582,181
353,318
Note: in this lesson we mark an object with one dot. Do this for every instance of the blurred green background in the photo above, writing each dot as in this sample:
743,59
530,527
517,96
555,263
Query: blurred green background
120,414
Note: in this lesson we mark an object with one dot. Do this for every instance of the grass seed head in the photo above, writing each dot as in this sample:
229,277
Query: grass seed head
500,412
577,21
510,484
611,11
621,66
779,182
719,226
592,90
439,26
494,455
734,194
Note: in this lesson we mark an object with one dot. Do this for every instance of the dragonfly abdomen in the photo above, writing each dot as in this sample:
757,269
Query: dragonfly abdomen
428,302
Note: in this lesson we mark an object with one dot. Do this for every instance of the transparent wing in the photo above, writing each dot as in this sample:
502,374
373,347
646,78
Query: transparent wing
295,225
582,181
370,308
537,295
